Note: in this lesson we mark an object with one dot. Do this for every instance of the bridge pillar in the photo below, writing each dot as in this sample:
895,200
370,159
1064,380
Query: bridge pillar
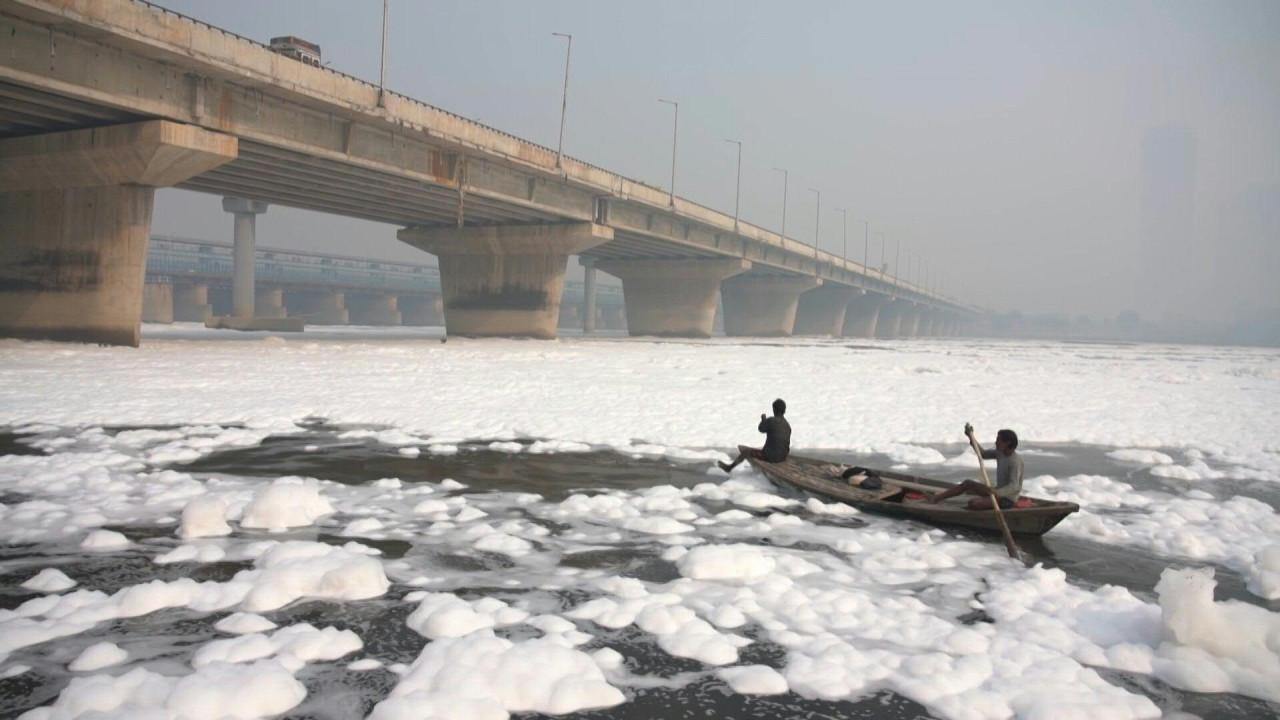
910,324
157,302
613,318
588,294
319,307
420,310
569,315
75,221
762,305
863,315
243,255
191,303
268,302
673,298
925,328
822,310
891,319
382,310
504,280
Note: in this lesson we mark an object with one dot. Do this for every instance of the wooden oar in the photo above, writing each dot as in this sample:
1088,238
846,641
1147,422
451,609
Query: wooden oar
1009,545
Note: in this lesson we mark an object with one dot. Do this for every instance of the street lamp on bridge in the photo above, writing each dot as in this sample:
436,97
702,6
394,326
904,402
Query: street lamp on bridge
817,218
783,234
844,214
564,96
737,193
675,132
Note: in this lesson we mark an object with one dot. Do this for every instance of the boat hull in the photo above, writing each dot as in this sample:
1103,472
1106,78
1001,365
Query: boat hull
822,478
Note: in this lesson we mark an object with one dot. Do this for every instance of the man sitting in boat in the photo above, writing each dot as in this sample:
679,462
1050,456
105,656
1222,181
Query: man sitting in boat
777,439
1008,476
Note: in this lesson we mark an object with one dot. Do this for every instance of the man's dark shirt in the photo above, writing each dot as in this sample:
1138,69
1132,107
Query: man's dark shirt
777,442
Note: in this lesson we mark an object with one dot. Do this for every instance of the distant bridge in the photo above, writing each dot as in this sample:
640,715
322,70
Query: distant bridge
101,102
190,279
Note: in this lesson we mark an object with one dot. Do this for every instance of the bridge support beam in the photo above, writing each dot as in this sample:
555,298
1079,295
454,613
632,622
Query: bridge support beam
672,298
504,280
822,310
381,310
268,302
157,303
191,303
319,307
588,294
75,220
862,317
762,305
420,310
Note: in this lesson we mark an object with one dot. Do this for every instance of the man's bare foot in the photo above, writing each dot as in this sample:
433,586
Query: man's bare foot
724,466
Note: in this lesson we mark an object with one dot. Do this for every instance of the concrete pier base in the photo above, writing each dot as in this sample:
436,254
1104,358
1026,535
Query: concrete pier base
272,324
504,280
570,315
72,263
191,303
75,220
269,303
925,328
612,318
378,310
421,310
822,310
157,303
319,307
672,298
863,315
910,324
891,319
762,305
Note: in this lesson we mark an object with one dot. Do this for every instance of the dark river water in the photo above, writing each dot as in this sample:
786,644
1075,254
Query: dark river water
166,639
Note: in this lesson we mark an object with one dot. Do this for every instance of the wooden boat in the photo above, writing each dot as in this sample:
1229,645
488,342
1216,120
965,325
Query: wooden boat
902,496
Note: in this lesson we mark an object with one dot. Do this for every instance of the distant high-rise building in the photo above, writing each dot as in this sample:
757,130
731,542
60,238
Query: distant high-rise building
1168,256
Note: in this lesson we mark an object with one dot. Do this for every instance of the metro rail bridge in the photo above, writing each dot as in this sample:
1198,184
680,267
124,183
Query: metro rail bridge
189,280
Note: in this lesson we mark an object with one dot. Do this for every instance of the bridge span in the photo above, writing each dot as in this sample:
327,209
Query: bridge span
101,102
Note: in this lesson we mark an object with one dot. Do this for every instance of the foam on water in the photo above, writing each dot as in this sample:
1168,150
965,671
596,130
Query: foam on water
728,581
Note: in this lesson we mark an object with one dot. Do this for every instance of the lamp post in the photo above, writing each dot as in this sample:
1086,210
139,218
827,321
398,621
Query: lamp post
817,218
897,253
382,69
675,132
737,193
844,214
783,234
881,254
564,96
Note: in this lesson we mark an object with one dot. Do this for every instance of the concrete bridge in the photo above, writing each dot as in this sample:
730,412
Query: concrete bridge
101,102
190,280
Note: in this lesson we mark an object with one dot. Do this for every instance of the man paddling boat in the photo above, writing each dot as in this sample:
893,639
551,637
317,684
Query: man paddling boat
777,442
1009,470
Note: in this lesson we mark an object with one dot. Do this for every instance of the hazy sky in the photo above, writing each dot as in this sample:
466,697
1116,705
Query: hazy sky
1003,141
